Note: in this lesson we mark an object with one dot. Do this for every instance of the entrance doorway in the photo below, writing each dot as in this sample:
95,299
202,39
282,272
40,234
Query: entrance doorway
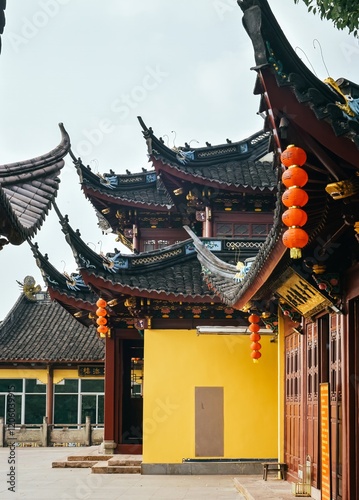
132,394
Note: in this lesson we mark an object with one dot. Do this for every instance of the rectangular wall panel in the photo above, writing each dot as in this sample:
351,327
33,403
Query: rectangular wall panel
209,422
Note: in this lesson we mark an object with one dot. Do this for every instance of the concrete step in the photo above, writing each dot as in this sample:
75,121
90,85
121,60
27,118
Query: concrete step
103,468
73,464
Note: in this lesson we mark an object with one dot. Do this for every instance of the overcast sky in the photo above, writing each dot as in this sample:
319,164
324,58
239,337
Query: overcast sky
183,66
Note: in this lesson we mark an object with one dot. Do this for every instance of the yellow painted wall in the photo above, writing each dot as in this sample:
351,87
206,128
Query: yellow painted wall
40,374
177,361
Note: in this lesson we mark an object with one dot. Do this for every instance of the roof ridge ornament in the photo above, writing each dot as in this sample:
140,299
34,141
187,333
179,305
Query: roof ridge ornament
344,107
29,288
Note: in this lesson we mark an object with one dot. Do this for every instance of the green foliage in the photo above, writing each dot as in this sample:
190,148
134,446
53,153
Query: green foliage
343,13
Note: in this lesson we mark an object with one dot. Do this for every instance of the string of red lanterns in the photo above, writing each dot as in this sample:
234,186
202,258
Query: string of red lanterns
254,337
294,197
101,320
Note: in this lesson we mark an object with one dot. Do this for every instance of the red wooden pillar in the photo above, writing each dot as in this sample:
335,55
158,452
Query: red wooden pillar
110,427
135,239
208,233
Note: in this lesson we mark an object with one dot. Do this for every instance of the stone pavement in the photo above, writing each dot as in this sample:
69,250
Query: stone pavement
36,479
255,488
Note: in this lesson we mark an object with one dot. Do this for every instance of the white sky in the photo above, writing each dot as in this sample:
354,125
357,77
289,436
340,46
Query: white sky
183,66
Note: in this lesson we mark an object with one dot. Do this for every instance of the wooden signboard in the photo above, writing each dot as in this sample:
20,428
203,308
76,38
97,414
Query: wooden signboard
91,371
325,441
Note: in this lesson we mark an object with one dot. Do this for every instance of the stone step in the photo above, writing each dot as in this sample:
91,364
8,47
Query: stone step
74,464
102,468
118,461
92,458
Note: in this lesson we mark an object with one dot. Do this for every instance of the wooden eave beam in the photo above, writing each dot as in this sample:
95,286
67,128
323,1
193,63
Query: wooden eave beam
261,277
283,100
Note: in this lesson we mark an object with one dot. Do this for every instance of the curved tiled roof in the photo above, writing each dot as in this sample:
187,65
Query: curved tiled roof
41,330
143,188
235,164
328,100
71,291
27,191
173,272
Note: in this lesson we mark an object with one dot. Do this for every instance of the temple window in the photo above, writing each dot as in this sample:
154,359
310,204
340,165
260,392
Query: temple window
30,400
75,399
150,245
239,230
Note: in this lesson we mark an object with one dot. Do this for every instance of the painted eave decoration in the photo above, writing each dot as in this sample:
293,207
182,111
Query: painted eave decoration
300,294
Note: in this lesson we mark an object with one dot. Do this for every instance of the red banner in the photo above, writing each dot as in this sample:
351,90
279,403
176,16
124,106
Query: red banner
325,440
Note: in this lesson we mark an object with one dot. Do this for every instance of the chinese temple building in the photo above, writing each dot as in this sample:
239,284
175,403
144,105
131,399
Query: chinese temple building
315,296
210,233
164,369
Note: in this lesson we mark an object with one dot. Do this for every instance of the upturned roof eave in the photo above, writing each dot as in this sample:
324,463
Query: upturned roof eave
165,168
108,285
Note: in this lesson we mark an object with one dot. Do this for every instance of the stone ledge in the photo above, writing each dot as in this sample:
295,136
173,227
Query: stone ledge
204,468
81,464
102,468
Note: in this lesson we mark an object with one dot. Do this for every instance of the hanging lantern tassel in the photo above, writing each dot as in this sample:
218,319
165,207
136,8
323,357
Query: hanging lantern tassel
254,337
101,313
294,198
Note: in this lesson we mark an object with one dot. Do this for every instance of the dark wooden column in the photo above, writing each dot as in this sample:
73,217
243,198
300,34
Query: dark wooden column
110,431
50,395
350,402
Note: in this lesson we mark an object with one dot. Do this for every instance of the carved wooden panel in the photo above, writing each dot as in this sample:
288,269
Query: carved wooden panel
293,373
312,390
336,427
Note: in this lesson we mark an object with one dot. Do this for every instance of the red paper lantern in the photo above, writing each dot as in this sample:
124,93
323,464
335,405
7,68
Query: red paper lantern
294,217
101,311
295,197
293,156
254,337
255,346
102,329
295,238
101,320
295,176
101,303
255,355
253,318
253,327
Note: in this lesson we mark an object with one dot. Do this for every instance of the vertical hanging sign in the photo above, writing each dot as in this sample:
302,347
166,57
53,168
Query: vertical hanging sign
325,440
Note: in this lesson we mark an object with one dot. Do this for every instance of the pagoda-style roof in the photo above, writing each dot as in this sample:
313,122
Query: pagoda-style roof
234,166
239,179
39,330
142,189
162,285
27,192
172,273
